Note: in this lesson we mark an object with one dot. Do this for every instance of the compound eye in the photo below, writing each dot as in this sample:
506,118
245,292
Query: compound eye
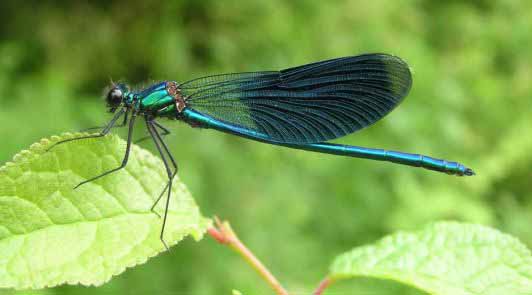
114,97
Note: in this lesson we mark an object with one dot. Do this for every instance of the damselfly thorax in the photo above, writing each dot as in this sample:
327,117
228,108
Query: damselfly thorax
163,99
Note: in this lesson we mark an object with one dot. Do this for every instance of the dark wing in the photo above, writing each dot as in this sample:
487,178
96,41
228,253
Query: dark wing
306,104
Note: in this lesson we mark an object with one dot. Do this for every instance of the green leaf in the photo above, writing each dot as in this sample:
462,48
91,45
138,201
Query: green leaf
444,258
51,234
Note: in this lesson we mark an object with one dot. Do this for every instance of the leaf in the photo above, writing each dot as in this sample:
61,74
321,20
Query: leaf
445,258
51,234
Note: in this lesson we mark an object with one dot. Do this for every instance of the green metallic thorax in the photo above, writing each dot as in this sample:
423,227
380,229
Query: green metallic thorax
155,100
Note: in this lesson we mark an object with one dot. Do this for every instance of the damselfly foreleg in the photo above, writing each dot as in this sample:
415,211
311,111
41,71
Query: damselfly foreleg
104,132
126,155
124,122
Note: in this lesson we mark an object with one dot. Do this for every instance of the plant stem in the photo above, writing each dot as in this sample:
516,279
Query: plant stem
222,232
322,286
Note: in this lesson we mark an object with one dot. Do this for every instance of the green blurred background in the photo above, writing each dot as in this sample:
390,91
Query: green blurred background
470,102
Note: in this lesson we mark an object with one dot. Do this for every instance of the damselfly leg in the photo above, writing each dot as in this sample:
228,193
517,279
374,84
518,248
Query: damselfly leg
165,132
157,139
126,156
163,129
104,132
124,122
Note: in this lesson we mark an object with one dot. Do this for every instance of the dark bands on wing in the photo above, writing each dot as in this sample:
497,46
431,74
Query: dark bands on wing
310,103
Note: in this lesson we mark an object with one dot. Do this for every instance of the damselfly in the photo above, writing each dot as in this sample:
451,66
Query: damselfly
301,107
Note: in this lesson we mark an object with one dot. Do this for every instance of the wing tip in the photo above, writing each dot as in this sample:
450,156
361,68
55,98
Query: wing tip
399,74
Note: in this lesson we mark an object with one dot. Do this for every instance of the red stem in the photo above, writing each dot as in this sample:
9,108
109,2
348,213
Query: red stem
322,286
224,235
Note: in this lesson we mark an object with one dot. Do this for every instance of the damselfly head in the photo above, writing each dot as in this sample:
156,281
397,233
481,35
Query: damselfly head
115,96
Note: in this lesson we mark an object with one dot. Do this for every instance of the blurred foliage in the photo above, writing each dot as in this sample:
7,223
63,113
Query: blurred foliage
470,102
444,258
